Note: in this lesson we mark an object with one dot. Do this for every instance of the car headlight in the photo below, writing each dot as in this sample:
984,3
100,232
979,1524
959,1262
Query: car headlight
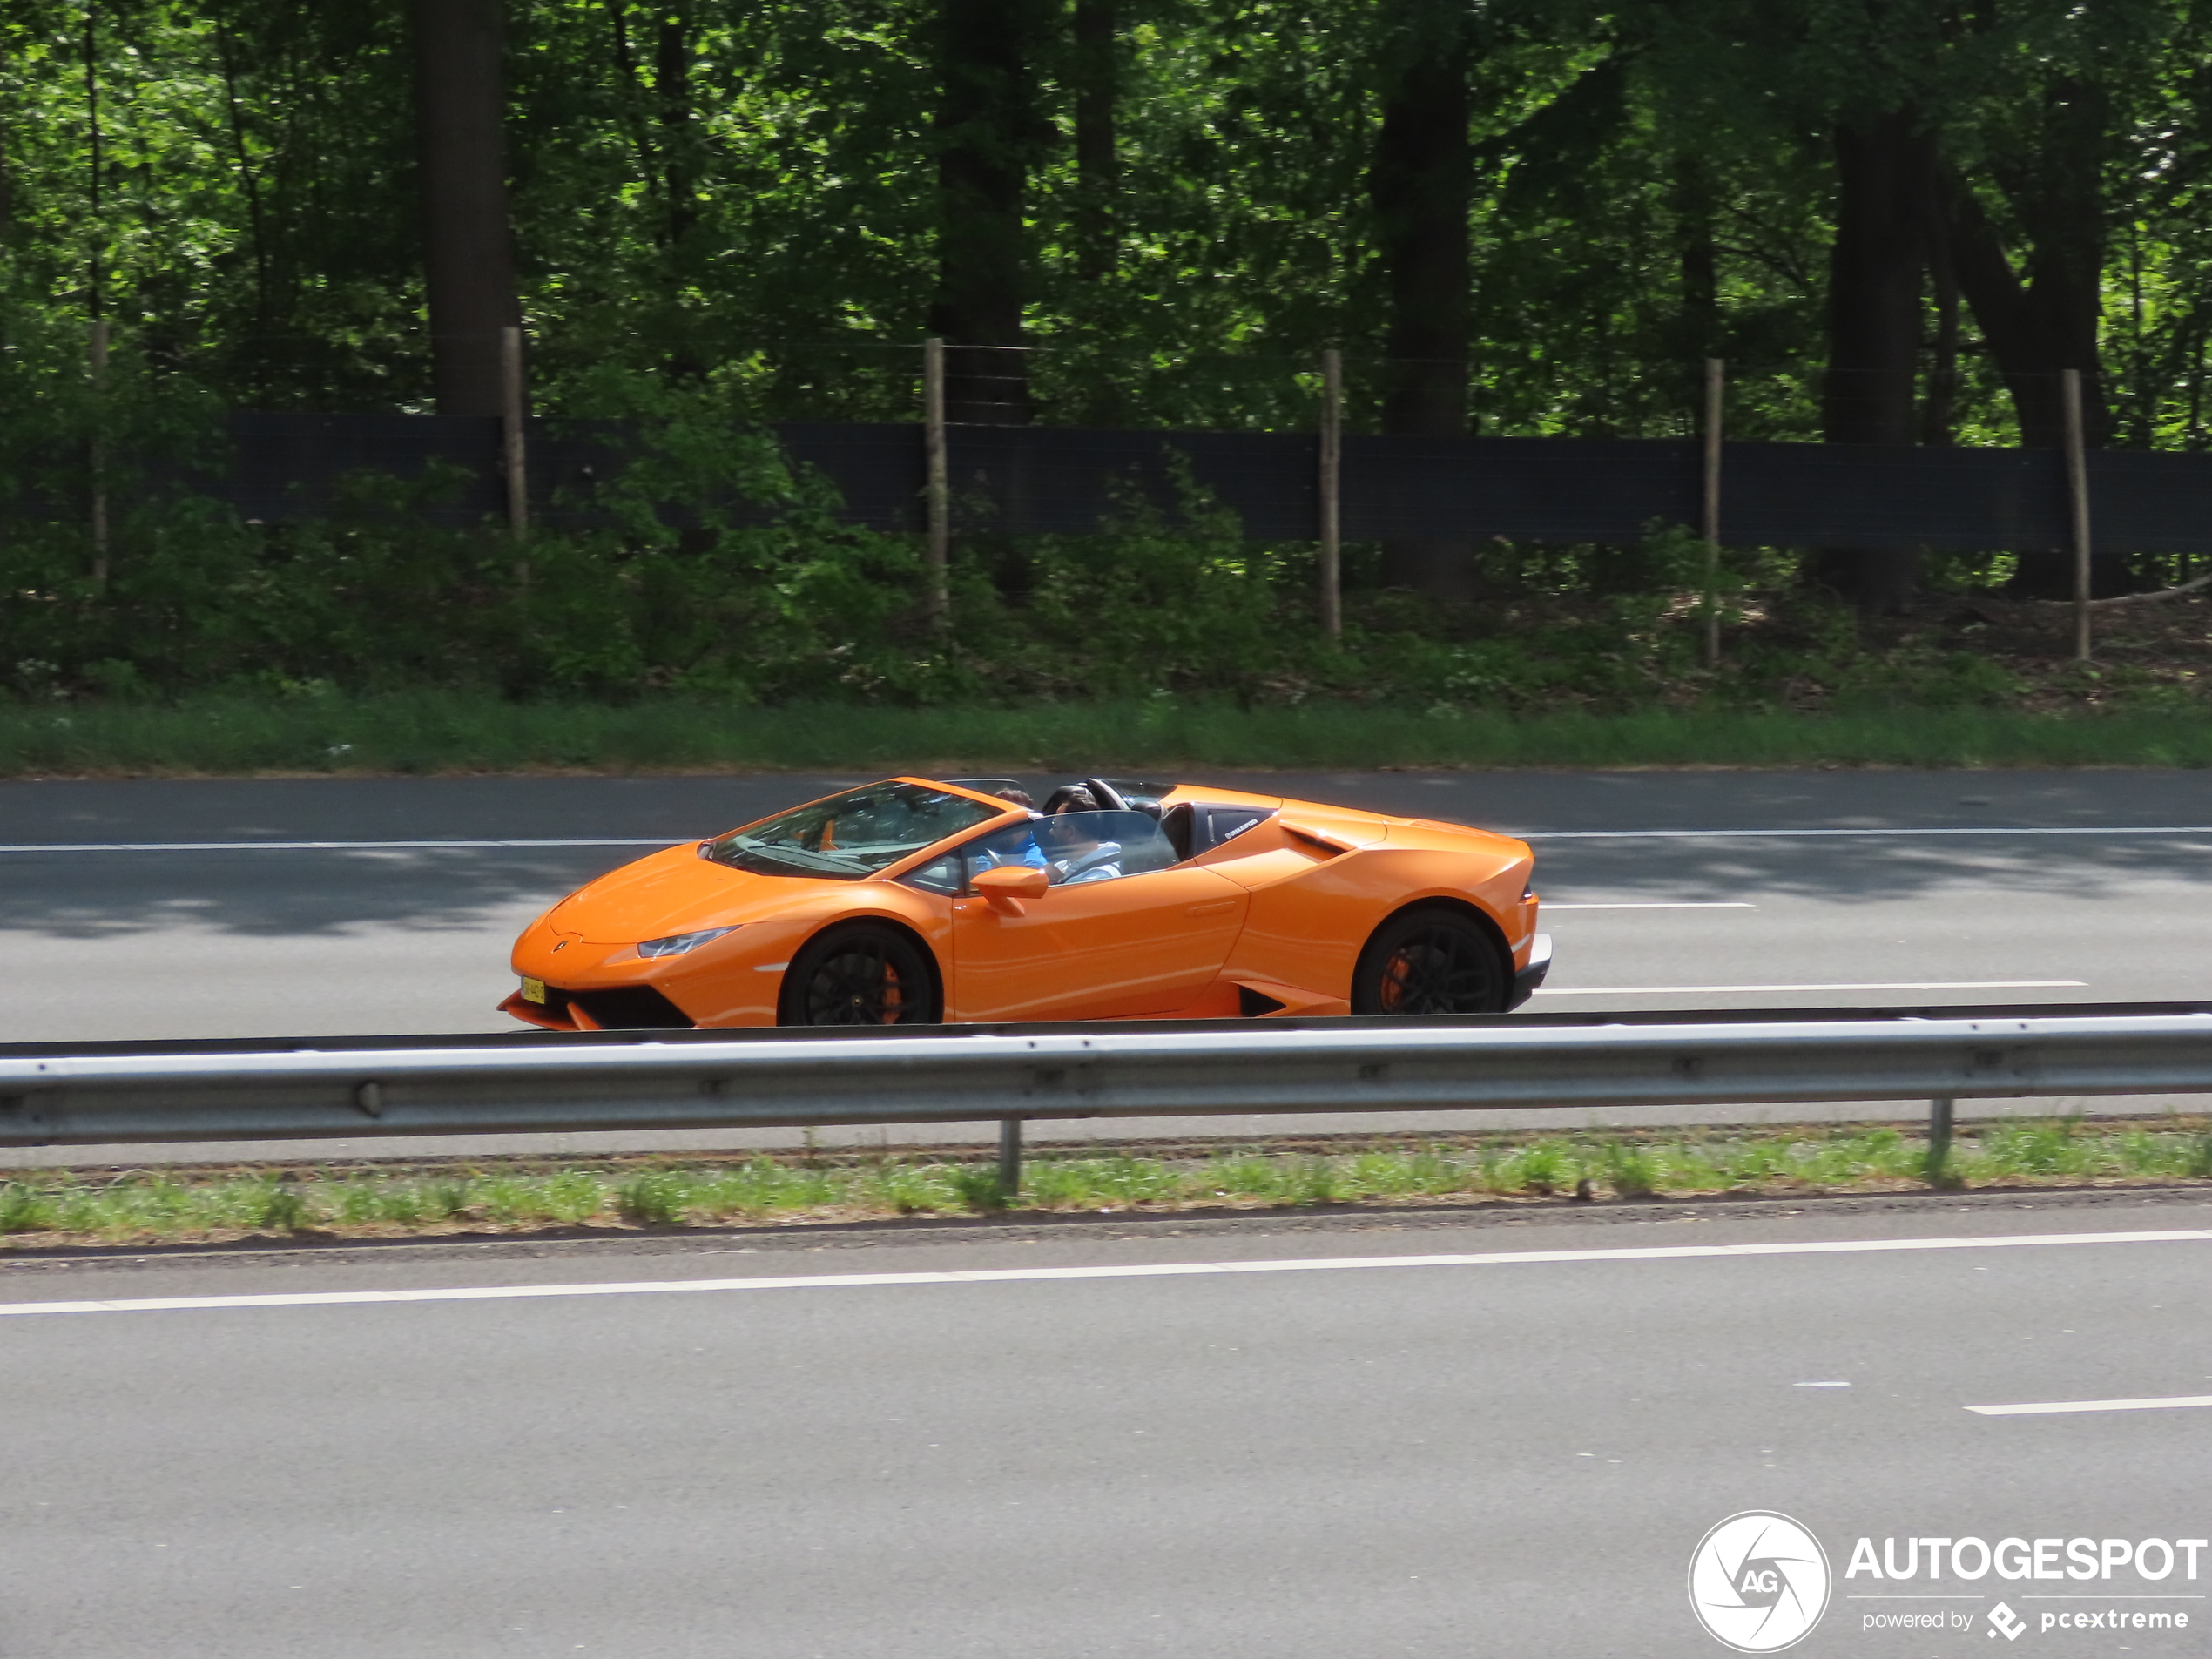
678,944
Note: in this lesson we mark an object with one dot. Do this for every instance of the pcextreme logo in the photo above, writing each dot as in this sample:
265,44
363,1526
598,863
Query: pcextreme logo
1759,1581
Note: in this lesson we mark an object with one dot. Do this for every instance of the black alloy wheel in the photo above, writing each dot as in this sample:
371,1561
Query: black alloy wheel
1428,963
859,975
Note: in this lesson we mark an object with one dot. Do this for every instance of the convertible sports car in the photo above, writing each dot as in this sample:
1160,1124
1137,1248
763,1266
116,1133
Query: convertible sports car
915,901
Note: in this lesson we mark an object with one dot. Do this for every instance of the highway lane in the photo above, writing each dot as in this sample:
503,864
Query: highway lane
1950,888
1486,1457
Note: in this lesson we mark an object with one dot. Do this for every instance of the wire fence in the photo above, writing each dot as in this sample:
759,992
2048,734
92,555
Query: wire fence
1264,385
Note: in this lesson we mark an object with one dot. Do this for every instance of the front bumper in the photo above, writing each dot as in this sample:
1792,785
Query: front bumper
1539,963
621,1007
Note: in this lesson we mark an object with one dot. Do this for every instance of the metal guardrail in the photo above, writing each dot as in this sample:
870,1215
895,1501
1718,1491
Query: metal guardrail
957,1076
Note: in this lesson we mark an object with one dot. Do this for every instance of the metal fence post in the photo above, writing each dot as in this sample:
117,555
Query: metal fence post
1939,1139
2077,491
1331,484
98,354
1011,1157
514,450
1714,371
936,602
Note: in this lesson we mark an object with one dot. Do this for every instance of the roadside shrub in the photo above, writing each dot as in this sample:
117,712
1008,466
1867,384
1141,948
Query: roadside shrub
654,1199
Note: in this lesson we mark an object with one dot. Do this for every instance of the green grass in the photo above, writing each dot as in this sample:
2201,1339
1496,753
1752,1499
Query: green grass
442,731
141,1206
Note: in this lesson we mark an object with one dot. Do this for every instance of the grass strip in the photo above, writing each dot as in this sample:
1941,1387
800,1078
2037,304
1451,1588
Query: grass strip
150,1207
437,731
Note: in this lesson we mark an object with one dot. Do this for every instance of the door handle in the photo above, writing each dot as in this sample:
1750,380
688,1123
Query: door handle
1218,906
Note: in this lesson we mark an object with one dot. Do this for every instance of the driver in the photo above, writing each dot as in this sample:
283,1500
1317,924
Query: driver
1077,849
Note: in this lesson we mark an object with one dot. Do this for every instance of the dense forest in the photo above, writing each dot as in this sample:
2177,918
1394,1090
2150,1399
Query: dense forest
1896,221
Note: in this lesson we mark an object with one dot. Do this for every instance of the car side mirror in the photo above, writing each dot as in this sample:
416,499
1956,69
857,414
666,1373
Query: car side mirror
1008,883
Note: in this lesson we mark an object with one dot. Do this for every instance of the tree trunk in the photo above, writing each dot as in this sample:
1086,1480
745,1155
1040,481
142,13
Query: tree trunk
988,133
672,85
94,294
1884,167
1938,408
249,176
1097,77
467,246
1420,186
2041,325
1697,259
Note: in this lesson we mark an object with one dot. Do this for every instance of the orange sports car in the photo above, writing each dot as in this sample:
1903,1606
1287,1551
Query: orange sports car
916,901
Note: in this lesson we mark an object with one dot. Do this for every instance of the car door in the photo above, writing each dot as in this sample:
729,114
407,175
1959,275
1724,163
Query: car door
1119,932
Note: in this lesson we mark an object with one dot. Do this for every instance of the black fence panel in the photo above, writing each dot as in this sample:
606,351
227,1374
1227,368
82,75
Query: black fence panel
880,471
287,466
1556,490
1028,480
2141,503
1836,494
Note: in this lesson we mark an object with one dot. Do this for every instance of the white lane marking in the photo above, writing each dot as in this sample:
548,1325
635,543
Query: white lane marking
1901,985
2177,1402
1656,903
330,847
1150,1270
1796,835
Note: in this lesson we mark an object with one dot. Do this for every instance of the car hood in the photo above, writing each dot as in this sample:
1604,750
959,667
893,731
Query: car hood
676,891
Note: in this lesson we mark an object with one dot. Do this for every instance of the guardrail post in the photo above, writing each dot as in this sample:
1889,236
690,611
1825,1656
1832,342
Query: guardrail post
1939,1139
1011,1157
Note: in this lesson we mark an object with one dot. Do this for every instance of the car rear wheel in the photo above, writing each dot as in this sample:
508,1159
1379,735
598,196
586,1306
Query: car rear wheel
859,975
1429,962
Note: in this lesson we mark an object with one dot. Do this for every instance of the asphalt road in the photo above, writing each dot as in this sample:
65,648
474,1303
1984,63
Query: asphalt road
1292,1461
161,909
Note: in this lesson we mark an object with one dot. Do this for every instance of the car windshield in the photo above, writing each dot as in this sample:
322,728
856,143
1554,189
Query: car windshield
851,835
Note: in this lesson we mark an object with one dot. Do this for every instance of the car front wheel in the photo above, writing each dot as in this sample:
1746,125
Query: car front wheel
859,975
1429,962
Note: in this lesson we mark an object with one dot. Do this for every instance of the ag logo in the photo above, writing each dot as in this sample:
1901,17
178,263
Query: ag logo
1759,1582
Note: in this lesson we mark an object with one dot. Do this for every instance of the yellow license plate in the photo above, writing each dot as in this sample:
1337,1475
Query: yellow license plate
533,990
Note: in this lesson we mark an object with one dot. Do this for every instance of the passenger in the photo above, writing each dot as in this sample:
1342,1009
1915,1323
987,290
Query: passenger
1014,845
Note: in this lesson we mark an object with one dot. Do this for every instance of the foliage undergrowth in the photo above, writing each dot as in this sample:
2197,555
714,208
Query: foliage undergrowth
433,732
141,1205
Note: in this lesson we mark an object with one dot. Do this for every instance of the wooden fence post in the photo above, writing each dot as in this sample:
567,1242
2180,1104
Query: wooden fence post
2077,490
937,601
514,445
98,358
1332,494
1715,370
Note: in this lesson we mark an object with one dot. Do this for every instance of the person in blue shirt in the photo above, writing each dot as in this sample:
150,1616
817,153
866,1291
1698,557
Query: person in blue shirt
1016,844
